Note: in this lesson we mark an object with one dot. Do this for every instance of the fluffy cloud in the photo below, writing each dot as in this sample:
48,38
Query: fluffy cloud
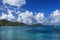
3,16
25,17
55,17
8,16
18,3
40,17
28,17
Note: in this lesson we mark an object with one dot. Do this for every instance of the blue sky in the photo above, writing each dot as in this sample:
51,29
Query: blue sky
46,6
31,11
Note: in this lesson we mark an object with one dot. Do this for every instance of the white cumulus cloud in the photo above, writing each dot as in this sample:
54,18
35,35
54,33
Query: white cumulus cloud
8,16
25,17
18,3
55,17
28,17
40,17
3,16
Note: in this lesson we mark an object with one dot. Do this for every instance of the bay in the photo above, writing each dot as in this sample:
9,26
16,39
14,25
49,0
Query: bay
29,33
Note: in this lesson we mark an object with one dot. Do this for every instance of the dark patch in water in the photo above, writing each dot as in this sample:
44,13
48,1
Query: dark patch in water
45,30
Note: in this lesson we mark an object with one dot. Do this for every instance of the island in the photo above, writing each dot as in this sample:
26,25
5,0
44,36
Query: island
5,22
9,23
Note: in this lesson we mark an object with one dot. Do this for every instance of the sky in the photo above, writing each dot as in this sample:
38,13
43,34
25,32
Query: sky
31,11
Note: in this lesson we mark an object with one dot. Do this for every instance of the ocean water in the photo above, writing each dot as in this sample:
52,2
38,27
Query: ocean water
29,33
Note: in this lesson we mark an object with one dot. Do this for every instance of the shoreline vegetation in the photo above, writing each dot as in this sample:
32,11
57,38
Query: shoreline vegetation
9,23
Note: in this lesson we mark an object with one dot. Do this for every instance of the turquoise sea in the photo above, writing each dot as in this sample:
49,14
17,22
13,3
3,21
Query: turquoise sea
29,33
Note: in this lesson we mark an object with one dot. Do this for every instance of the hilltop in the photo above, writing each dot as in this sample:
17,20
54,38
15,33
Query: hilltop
9,23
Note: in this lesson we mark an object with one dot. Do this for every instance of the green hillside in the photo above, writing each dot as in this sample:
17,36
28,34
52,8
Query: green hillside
9,23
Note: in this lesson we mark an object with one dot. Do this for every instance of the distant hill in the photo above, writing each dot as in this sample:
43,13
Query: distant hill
9,23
